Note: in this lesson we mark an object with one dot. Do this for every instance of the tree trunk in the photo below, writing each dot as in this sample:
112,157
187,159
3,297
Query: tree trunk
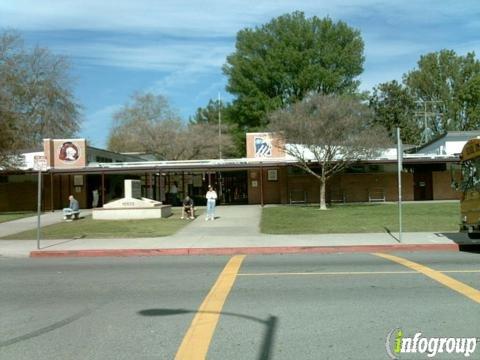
323,205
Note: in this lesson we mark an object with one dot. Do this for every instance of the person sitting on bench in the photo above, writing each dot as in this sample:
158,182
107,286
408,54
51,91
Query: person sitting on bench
188,208
73,209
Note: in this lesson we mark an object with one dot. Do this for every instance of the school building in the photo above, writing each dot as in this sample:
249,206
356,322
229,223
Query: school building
265,176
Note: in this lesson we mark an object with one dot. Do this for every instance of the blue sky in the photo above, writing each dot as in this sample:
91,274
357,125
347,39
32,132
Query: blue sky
177,48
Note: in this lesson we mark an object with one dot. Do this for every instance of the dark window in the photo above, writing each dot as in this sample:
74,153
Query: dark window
103,159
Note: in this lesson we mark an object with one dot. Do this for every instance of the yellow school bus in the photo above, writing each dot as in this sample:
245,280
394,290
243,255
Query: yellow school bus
470,186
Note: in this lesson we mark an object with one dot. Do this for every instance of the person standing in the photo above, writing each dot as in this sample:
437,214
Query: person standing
173,193
211,199
95,198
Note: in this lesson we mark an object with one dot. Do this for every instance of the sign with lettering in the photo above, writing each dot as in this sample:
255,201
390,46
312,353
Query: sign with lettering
39,163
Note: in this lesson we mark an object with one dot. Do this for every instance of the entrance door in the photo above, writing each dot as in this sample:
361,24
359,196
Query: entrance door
234,187
423,185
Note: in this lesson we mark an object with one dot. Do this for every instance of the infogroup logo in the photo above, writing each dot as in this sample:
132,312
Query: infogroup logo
397,343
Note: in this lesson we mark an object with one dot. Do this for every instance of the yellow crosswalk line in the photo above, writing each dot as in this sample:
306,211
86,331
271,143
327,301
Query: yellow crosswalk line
438,276
198,337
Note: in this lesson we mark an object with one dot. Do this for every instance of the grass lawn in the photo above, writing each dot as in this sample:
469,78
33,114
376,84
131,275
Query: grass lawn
89,228
9,216
360,218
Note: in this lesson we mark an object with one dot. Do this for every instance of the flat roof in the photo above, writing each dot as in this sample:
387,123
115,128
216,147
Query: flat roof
221,164
226,164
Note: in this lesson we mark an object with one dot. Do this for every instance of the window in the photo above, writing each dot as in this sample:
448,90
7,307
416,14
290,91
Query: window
102,159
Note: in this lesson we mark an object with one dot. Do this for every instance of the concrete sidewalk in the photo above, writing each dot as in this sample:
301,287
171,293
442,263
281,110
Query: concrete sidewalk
235,228
30,223
231,221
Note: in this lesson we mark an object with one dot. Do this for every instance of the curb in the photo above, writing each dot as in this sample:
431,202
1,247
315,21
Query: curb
244,250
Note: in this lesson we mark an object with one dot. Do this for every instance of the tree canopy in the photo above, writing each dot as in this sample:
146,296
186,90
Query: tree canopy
395,107
36,100
328,131
148,124
210,113
288,58
442,94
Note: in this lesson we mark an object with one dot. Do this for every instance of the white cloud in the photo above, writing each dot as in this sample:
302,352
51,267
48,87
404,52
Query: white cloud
160,57
185,31
202,17
188,38
98,123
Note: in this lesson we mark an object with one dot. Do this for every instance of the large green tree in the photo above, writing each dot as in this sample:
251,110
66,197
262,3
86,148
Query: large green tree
218,112
36,100
447,84
284,60
211,112
441,94
394,107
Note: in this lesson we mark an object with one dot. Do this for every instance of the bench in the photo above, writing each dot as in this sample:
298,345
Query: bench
338,196
298,197
376,194
69,214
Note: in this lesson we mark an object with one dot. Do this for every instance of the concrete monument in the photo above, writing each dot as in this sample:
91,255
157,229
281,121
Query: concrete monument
132,206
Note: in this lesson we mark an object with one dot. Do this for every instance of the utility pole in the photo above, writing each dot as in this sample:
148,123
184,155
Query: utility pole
400,165
427,132
40,164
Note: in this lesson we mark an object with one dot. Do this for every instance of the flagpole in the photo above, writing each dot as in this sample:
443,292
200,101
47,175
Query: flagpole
219,127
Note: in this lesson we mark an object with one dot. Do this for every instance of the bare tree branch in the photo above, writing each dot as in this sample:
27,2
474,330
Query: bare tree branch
330,132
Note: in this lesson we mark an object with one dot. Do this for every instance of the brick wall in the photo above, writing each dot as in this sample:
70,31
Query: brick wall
274,191
355,187
441,186
20,193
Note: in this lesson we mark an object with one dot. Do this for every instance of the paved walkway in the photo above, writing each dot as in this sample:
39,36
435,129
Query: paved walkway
232,221
30,223
234,227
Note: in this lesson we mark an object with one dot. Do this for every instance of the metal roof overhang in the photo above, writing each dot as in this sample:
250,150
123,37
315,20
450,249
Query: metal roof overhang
212,165
169,168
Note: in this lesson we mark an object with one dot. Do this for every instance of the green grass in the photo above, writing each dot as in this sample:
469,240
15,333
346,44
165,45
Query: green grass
9,216
98,229
360,218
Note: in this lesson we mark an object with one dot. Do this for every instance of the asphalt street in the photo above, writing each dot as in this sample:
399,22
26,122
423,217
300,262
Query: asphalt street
336,306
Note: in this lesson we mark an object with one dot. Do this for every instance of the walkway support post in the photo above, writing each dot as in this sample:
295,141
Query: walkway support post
261,185
39,205
103,188
51,192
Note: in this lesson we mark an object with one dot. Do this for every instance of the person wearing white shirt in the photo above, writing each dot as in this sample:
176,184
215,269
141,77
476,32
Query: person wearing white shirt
211,199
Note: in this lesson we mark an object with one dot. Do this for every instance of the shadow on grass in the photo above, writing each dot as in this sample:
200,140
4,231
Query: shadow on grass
270,324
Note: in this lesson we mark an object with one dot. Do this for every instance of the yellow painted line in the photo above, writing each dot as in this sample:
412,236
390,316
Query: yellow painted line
350,273
197,339
443,279
327,273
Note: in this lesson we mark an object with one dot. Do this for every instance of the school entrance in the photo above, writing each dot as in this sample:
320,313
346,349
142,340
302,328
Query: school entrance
233,187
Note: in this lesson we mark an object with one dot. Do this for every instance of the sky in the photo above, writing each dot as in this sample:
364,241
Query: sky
177,48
